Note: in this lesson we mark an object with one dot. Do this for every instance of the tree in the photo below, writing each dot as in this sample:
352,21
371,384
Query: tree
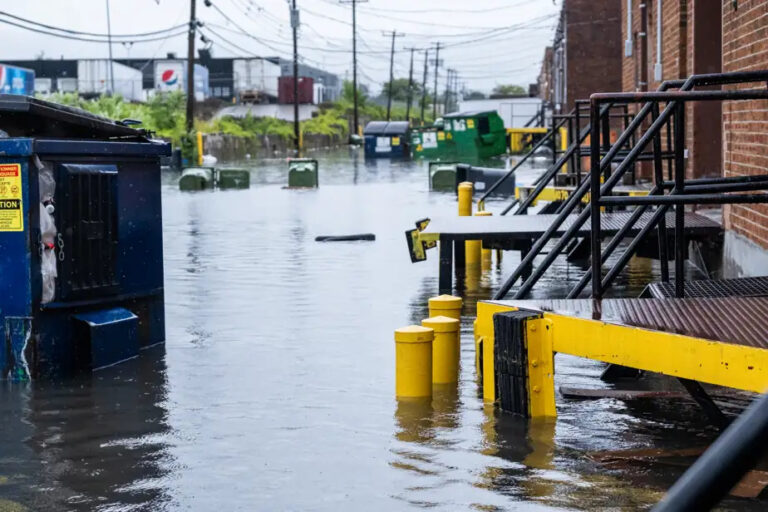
400,90
509,90
474,95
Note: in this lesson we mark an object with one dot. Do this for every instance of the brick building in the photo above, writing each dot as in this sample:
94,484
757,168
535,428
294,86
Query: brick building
585,56
730,138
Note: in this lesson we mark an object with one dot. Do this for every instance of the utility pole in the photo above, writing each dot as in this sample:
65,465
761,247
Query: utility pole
446,100
391,72
111,66
295,27
191,67
437,71
354,58
410,88
424,84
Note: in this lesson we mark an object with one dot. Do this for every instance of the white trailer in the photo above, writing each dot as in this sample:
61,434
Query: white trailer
171,75
255,77
94,78
43,86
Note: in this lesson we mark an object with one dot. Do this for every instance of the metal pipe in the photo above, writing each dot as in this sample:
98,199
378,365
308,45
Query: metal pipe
657,70
714,474
658,172
680,245
628,41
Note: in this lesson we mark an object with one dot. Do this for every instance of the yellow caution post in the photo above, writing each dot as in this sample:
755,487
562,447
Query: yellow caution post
199,148
466,190
486,255
445,305
445,349
413,361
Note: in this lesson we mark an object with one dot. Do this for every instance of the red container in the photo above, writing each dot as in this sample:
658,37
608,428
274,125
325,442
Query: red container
285,89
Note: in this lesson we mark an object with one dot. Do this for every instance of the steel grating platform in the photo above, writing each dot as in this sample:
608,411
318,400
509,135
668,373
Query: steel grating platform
741,287
734,320
532,226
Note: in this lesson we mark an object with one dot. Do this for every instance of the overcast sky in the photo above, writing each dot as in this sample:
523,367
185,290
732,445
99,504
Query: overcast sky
489,42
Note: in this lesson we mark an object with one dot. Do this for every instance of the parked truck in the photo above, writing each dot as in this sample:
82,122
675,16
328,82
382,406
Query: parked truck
94,79
171,75
255,80
16,80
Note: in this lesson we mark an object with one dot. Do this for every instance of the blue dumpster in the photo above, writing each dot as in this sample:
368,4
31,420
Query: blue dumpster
81,247
387,139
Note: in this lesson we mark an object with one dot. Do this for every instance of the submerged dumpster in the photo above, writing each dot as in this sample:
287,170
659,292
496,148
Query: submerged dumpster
81,247
430,143
387,139
476,136
303,173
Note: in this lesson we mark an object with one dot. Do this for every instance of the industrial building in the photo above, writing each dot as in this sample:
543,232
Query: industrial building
234,80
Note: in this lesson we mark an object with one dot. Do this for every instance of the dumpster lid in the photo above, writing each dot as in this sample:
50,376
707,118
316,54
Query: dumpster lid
24,116
387,128
474,113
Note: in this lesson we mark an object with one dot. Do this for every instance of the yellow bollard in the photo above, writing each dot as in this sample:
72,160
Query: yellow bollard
199,148
466,189
413,361
445,305
486,255
445,349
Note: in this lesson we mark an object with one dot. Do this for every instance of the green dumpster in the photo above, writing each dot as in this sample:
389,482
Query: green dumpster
442,176
233,178
196,178
476,136
303,173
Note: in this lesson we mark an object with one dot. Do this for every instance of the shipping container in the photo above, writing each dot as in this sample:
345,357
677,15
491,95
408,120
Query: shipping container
94,79
285,90
171,75
43,86
66,84
16,80
255,77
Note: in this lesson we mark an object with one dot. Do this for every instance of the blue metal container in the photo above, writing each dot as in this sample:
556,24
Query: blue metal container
387,139
81,253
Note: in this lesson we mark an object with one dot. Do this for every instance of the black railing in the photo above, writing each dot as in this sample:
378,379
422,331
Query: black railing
718,191
627,159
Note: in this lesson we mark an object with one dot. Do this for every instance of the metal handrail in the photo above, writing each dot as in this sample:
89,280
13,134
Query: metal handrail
602,165
574,200
540,143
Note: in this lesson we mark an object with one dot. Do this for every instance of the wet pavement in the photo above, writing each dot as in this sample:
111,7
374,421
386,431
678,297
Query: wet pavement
275,389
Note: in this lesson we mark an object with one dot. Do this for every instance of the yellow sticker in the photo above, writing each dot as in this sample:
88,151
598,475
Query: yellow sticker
440,135
11,216
395,141
419,148
449,135
470,123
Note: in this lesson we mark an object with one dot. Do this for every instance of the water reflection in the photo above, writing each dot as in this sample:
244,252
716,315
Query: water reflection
90,441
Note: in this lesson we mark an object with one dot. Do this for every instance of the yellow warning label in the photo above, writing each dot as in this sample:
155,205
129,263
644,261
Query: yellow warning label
440,135
395,141
470,123
11,216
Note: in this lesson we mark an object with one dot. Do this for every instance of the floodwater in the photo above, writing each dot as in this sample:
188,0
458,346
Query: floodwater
275,389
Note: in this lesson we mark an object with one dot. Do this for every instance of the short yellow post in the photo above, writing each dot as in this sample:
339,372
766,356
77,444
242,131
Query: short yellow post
199,148
413,362
564,144
445,349
445,305
466,189
486,255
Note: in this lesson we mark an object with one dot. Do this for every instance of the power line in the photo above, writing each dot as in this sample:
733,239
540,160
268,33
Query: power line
89,40
95,34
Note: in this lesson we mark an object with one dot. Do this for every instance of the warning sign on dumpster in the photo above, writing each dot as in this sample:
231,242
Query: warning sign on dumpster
11,216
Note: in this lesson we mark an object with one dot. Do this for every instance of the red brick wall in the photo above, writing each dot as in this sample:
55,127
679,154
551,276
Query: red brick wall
594,48
745,128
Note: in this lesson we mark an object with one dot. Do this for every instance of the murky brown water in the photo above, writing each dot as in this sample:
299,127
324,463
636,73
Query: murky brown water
275,390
